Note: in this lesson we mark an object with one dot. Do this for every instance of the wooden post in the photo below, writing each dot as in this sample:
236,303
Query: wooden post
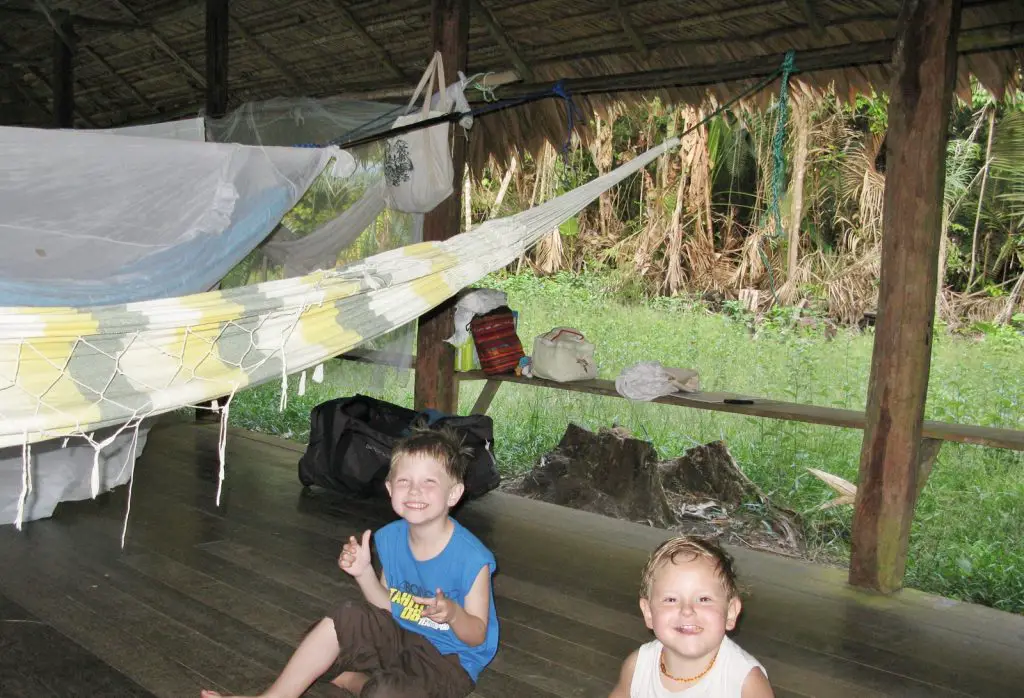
216,57
924,65
63,76
217,27
435,359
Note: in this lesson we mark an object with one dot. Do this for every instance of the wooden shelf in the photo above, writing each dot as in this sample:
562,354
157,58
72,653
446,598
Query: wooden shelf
774,409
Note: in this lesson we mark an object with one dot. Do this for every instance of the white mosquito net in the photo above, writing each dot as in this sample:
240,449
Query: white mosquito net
169,209
95,373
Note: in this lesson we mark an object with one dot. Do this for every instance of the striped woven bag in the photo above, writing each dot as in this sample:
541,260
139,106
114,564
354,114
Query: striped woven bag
496,341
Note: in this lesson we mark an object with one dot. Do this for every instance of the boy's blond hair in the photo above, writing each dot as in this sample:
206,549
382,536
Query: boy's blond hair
443,445
691,548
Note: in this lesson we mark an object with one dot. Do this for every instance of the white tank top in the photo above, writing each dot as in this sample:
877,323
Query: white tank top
725,680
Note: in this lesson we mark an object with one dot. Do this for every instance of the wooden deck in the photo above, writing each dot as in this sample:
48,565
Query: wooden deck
218,597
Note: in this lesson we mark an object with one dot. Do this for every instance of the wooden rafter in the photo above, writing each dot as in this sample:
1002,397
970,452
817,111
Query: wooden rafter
498,34
162,44
32,12
377,49
806,8
727,15
9,58
622,15
73,43
45,80
139,97
974,40
15,80
280,66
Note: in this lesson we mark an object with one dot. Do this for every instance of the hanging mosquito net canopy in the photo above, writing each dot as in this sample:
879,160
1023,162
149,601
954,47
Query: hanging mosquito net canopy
114,306
124,216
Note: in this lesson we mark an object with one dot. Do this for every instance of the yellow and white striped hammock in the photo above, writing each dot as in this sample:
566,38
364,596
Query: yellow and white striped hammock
70,371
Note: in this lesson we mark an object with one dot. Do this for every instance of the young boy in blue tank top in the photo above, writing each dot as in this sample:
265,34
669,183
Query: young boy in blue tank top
427,626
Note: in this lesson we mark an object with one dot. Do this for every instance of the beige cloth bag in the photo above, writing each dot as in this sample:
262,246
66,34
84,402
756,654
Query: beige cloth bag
563,355
418,169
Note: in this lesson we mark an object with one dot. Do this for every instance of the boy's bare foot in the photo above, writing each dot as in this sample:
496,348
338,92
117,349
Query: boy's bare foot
352,681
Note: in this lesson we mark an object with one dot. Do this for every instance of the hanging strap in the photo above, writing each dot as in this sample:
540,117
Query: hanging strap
433,75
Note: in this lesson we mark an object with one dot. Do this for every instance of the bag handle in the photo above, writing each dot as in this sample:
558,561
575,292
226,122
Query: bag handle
428,75
442,88
566,330
432,76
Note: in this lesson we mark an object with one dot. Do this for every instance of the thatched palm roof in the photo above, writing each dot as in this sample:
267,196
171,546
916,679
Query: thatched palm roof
140,60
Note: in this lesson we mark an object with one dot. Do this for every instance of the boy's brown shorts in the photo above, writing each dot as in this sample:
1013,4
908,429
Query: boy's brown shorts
400,663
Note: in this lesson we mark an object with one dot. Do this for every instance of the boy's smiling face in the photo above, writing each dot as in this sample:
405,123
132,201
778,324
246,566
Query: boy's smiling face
689,608
420,488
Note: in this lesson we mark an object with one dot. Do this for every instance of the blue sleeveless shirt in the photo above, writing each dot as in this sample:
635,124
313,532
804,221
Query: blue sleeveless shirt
453,570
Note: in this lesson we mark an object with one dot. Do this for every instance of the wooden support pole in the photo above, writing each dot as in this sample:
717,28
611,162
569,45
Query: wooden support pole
483,402
435,359
924,68
929,454
217,24
63,77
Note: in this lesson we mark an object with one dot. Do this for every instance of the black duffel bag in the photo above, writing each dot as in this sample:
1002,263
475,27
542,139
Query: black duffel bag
351,438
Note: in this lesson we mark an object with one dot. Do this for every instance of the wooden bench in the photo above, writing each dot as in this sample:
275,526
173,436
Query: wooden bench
933,434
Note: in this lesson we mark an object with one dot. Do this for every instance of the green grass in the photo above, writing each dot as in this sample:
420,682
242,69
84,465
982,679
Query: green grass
967,540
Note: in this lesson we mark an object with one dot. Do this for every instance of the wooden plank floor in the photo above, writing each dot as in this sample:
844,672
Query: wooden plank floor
207,596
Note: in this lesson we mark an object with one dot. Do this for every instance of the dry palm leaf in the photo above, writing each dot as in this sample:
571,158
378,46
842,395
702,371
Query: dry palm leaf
846,490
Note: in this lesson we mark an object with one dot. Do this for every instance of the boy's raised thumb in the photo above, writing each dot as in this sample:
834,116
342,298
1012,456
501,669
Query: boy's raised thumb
366,538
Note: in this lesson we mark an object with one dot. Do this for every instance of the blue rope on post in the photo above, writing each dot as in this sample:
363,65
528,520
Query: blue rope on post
779,141
571,114
779,160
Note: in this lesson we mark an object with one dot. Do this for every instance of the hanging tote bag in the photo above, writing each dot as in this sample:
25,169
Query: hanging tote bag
418,168
563,355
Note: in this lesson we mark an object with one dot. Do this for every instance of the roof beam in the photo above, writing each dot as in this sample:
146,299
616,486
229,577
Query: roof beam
10,58
74,44
975,40
41,77
498,34
218,26
139,97
81,20
622,14
163,45
727,15
377,49
62,76
15,80
990,38
279,65
806,8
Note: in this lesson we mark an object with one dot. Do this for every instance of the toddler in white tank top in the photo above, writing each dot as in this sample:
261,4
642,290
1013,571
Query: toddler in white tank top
689,598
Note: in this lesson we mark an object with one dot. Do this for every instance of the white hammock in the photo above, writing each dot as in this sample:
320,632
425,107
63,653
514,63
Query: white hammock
69,371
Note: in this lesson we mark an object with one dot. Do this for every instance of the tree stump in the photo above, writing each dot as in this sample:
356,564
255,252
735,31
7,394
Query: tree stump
607,473
709,471
704,492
